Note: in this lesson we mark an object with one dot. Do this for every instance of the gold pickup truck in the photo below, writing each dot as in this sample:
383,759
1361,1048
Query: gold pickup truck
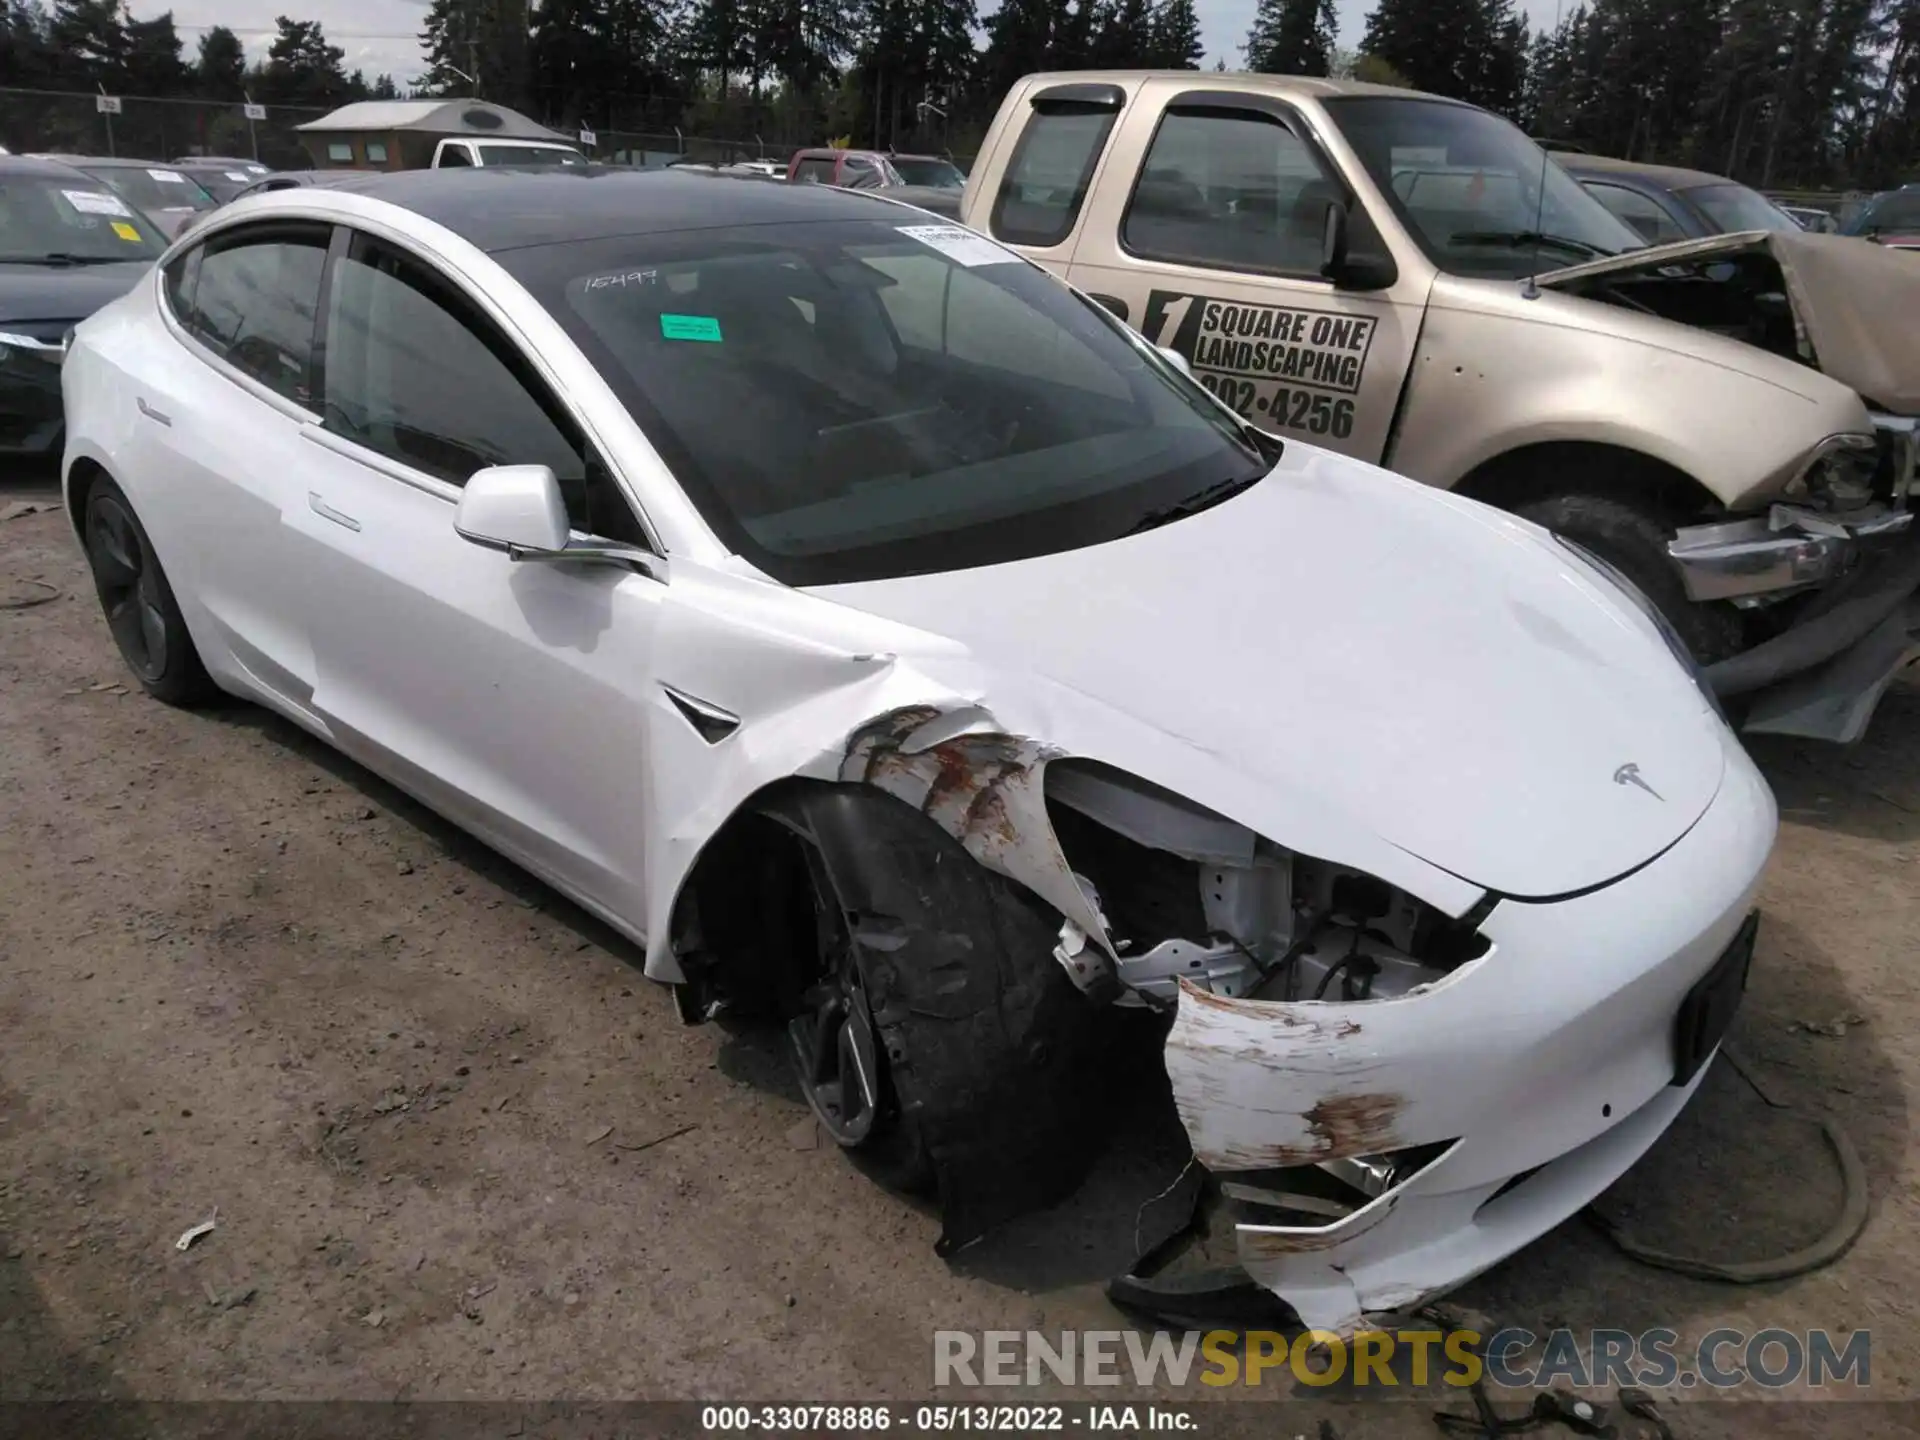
1729,422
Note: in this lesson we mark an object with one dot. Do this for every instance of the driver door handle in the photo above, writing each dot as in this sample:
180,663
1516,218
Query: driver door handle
151,413
327,512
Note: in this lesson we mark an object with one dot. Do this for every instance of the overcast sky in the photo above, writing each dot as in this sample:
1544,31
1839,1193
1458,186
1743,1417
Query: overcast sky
377,34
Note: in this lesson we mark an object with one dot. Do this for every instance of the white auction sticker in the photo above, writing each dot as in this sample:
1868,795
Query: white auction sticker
95,202
168,177
239,177
959,244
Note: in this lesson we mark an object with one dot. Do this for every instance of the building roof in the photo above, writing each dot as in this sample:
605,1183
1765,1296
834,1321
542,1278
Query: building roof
434,117
498,208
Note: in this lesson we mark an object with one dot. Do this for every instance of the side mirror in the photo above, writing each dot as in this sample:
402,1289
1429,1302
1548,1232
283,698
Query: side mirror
1352,254
1174,358
1333,241
515,508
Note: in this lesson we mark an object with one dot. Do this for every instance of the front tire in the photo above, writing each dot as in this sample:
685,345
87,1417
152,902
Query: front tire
138,603
1634,542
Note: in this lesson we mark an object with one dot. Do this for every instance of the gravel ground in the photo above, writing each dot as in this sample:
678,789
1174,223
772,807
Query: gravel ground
460,1148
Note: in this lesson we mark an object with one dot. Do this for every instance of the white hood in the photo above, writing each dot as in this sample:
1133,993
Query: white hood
1436,671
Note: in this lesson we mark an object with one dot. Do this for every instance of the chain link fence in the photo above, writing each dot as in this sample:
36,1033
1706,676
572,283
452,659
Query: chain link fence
149,128
153,128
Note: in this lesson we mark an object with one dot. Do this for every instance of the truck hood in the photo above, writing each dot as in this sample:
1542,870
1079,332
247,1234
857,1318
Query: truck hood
1854,302
1443,675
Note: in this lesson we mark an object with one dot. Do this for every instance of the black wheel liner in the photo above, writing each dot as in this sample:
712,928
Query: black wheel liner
995,1055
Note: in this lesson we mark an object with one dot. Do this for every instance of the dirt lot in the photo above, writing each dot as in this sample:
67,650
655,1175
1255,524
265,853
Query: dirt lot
460,1148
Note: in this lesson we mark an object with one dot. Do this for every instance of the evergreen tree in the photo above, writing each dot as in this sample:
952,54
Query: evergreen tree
302,68
1291,37
1176,36
1450,47
220,72
26,53
89,44
154,63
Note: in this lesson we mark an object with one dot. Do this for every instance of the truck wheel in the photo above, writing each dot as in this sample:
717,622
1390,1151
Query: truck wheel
1635,543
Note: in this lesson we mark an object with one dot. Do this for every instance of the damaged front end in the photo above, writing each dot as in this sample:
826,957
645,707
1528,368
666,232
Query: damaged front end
950,920
1825,568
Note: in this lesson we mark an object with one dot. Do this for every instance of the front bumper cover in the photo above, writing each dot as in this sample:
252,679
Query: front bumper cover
1539,1072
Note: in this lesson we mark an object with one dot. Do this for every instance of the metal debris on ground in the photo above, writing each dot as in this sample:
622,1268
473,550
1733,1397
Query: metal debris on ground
1834,1029
1835,1242
657,1140
44,594
805,1134
194,1232
1553,1407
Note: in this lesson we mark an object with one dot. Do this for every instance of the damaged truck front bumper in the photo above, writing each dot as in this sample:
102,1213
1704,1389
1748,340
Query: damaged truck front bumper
1822,676
1463,1120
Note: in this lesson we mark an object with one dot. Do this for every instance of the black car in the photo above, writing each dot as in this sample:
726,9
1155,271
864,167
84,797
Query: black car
68,245
221,177
1664,203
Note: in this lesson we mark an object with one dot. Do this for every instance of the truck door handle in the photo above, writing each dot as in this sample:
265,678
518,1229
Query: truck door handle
151,413
327,512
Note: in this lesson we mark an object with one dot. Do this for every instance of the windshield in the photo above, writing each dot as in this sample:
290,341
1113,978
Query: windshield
155,189
1896,210
530,155
1734,207
1474,191
72,219
856,400
941,174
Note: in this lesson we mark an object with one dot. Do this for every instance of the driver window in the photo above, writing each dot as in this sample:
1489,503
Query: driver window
1234,189
413,372
254,303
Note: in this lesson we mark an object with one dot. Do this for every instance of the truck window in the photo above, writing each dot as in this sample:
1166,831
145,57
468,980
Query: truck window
814,170
1237,190
1046,182
451,155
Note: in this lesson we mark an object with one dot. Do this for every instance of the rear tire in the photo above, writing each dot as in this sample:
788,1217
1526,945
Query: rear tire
138,603
1635,542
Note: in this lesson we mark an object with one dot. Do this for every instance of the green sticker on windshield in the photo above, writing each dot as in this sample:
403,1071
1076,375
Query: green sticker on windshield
690,327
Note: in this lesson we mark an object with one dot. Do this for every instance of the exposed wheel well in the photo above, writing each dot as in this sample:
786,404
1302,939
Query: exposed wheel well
1534,472
82,476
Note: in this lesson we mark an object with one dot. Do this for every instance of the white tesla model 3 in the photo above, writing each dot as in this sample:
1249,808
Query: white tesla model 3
890,641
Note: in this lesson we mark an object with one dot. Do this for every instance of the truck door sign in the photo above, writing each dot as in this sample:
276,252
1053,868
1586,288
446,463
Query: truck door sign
1297,369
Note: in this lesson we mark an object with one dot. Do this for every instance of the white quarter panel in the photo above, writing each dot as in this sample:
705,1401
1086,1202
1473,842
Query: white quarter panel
211,470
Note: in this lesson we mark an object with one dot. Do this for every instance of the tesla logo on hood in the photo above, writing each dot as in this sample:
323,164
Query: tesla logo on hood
1629,774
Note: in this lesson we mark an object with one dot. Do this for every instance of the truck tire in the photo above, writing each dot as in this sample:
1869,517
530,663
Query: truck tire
1635,543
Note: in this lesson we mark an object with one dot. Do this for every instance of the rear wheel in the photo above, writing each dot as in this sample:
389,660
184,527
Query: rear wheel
138,603
1634,541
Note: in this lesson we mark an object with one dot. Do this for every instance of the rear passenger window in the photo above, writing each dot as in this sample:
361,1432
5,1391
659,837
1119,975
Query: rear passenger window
1656,227
413,372
1046,181
253,304
814,170
1232,189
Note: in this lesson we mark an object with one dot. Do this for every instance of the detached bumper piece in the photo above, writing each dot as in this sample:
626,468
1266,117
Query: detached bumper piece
1823,678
